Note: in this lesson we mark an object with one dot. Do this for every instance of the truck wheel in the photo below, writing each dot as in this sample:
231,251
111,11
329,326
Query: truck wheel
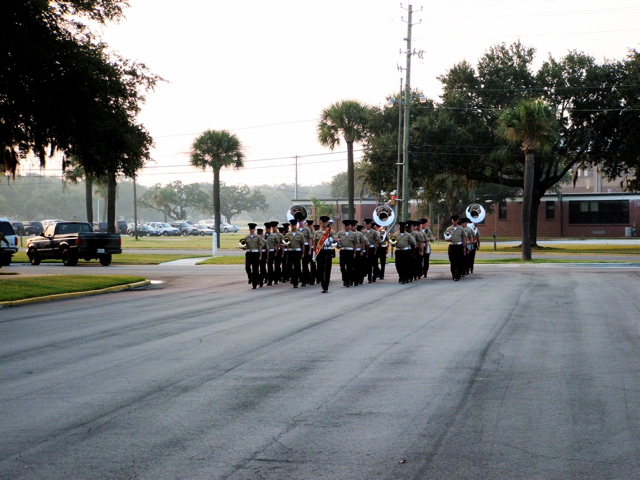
105,260
5,260
69,259
166,234
34,259
148,234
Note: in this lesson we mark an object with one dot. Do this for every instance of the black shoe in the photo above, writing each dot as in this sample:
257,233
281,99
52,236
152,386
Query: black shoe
249,282
324,291
295,286
254,287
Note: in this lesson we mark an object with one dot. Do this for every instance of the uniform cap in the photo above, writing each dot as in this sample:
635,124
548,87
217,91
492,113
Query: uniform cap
293,222
274,223
267,224
260,230
252,225
367,220
455,217
423,220
324,218
309,222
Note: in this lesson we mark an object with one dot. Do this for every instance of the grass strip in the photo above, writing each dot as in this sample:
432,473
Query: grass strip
31,287
120,259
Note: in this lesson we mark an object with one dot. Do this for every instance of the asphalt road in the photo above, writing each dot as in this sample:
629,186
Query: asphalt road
516,372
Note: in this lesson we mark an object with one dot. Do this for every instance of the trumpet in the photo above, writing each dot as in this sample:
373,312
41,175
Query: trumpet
242,243
393,239
286,241
447,236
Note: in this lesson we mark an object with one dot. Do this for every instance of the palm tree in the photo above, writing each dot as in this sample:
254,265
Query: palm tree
217,149
347,119
531,125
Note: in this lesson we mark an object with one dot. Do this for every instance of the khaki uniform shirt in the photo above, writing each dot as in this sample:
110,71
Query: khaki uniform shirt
297,240
254,243
306,231
405,241
331,238
347,239
458,237
373,237
273,240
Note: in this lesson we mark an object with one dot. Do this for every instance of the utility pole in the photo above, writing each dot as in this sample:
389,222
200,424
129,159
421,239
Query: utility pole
407,111
399,163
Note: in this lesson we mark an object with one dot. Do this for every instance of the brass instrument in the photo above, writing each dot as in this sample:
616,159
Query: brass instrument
286,241
447,236
385,217
393,239
242,243
475,212
297,212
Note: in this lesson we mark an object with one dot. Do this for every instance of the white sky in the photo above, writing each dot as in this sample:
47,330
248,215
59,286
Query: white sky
266,70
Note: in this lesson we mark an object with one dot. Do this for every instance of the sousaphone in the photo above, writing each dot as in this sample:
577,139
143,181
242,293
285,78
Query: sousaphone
475,212
385,217
297,212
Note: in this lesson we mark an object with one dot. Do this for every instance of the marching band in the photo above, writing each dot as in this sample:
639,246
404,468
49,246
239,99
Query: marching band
294,253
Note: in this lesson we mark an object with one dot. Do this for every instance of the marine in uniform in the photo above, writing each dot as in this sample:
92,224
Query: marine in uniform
373,237
346,243
416,264
253,246
263,258
272,244
295,239
306,258
457,243
424,224
405,246
313,273
323,240
360,256
381,252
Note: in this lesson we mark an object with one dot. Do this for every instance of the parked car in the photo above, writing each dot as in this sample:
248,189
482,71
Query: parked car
18,227
49,221
70,241
10,246
227,227
33,228
144,231
185,228
165,228
204,230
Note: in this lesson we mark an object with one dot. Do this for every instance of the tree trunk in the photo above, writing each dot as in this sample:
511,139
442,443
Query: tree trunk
351,181
216,204
111,203
88,186
535,205
527,194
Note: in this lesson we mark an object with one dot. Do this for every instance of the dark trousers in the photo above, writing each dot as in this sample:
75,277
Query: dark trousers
346,266
404,263
263,269
425,264
372,264
313,270
271,261
306,273
381,254
277,267
252,267
295,269
456,258
323,263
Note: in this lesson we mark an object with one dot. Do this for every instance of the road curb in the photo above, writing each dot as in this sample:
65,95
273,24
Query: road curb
64,296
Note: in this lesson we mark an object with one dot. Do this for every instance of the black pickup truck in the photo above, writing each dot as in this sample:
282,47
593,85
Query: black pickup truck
70,241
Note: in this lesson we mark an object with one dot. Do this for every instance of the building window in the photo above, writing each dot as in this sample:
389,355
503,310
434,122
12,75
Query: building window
599,212
502,211
550,210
